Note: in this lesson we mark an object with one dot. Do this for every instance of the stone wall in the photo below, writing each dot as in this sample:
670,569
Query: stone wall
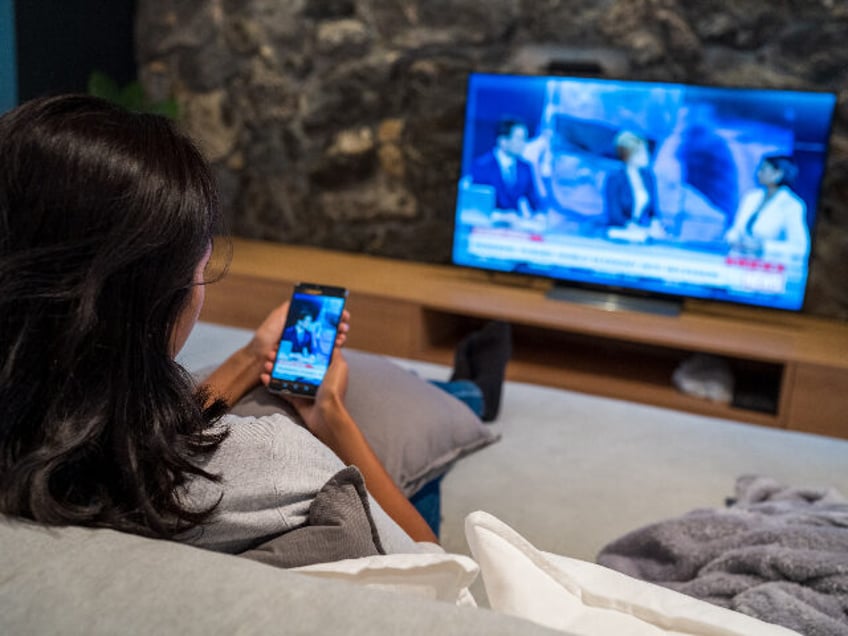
339,122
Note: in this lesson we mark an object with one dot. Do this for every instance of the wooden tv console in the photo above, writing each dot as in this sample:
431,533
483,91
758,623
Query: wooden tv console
791,371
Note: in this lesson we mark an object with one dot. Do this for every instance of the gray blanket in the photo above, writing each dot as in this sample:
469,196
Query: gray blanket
779,554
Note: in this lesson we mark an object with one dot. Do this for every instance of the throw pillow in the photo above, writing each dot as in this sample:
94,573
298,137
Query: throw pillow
339,526
584,598
416,429
436,576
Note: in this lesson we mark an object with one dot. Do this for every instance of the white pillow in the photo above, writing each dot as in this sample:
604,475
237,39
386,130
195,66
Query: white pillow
437,576
585,598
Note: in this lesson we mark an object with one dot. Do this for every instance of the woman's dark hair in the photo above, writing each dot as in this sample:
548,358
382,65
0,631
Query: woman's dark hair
786,165
104,218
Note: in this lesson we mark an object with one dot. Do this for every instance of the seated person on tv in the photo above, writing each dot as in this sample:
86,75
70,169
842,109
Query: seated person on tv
300,334
511,176
771,216
631,191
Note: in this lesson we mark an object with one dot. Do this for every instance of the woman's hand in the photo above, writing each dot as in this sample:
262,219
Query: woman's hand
264,342
246,367
751,245
315,413
747,245
321,415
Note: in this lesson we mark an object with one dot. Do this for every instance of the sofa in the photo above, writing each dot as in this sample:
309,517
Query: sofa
525,505
98,581
93,581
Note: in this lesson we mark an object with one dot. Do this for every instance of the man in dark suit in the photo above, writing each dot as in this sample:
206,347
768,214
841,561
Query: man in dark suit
300,334
507,172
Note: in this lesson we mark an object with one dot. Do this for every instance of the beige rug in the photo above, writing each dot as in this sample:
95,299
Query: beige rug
574,471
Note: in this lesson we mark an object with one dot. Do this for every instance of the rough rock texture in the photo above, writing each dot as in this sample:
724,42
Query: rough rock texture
339,122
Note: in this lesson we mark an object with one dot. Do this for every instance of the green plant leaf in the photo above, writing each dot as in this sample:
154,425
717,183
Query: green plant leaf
132,96
103,86
169,108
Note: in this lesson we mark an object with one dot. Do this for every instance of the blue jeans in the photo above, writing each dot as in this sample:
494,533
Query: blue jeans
464,391
428,500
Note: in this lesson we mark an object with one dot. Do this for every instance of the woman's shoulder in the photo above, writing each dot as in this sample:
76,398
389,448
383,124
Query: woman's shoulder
754,194
270,470
785,203
789,195
275,436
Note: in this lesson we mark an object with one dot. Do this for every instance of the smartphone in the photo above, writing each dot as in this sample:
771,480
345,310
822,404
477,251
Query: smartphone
308,339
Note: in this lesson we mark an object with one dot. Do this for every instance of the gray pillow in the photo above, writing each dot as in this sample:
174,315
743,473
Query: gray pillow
416,429
339,526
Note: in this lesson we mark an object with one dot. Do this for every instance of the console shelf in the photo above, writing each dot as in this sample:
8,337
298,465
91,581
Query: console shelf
791,371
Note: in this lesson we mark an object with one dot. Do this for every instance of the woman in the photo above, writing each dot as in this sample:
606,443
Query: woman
631,193
106,225
772,216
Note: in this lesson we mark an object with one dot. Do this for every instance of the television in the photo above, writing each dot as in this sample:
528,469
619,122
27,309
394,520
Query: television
649,190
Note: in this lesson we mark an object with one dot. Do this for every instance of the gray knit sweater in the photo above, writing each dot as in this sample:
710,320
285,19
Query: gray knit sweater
271,469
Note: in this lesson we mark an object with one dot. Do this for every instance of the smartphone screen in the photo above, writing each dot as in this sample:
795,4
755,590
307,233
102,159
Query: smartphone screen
308,338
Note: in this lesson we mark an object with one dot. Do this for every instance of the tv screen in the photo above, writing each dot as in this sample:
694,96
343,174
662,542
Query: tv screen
658,188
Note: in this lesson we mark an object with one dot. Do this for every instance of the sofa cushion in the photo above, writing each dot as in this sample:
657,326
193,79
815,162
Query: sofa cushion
81,581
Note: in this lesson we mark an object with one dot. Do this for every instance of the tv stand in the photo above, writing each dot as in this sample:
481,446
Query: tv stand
613,301
791,370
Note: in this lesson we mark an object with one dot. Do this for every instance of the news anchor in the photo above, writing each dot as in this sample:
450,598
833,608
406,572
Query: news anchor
772,216
508,172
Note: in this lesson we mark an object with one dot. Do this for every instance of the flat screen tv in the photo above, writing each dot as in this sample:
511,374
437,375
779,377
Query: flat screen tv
658,189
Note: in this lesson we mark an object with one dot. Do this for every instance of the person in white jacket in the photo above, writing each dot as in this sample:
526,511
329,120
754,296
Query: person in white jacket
771,218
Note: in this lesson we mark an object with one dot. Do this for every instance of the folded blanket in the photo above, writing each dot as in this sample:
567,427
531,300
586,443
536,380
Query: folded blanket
779,554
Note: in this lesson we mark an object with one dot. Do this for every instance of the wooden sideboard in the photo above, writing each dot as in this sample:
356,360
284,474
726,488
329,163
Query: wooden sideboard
791,371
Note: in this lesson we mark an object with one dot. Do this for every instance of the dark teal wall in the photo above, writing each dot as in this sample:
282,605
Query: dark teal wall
60,42
8,64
